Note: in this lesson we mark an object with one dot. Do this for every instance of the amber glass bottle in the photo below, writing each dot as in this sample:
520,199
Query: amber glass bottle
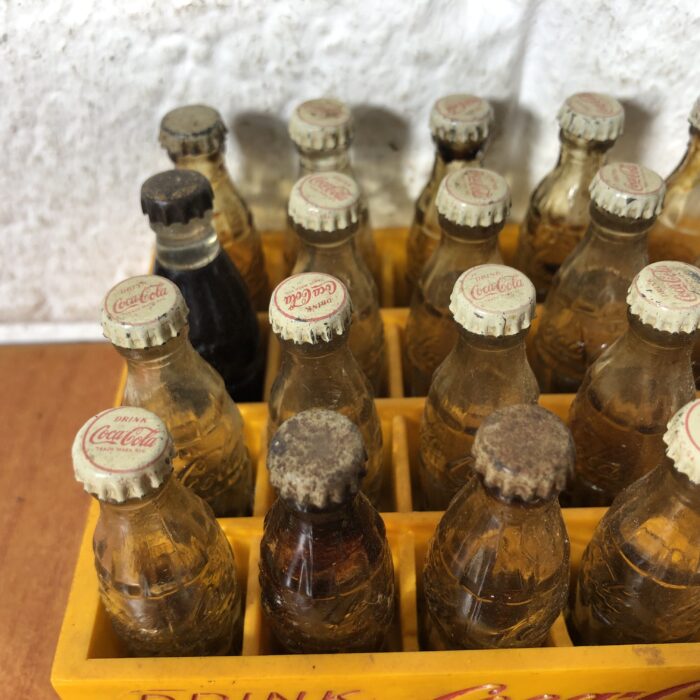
585,309
165,569
195,138
487,369
497,569
326,572
558,213
472,205
639,580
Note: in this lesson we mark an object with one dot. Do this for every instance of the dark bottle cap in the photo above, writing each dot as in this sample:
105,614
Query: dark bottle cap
176,196
317,458
192,130
524,451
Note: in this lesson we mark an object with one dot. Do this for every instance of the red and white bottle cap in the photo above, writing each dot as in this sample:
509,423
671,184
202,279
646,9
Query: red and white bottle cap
461,118
592,116
682,440
628,190
694,117
325,201
324,124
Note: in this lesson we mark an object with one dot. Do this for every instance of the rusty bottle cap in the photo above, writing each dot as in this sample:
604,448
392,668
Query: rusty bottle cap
192,130
176,197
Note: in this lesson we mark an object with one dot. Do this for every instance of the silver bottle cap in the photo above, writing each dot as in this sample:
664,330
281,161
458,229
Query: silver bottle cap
321,125
325,202
682,440
592,116
192,130
461,118
628,190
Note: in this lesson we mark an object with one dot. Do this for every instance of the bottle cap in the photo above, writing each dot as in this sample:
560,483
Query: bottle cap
311,307
473,197
321,125
524,451
191,131
493,300
682,438
143,312
666,296
628,190
176,196
592,116
694,117
122,453
325,202
461,118
316,458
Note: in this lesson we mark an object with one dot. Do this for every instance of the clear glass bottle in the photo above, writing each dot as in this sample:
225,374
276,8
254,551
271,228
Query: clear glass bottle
326,572
195,138
487,369
634,388
676,235
639,580
558,215
460,126
497,570
585,309
472,204
166,572
310,315
223,326
322,132
325,211
145,318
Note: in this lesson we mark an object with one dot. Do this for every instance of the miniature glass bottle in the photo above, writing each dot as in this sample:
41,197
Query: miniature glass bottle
639,580
676,235
166,572
497,570
585,310
325,211
310,315
145,318
558,214
472,205
322,132
635,387
486,369
223,326
326,572
195,138
460,126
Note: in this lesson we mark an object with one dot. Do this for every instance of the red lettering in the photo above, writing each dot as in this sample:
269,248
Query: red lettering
331,190
275,696
633,176
216,696
674,281
330,695
156,696
502,285
141,436
494,689
148,293
666,692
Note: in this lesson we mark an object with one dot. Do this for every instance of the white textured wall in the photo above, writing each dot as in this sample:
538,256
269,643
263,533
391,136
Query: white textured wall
83,87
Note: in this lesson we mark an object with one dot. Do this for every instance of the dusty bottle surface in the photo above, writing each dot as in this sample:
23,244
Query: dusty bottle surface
639,580
223,326
585,309
497,569
310,314
634,388
487,369
460,126
166,572
326,572
325,211
472,205
145,318
558,213
195,138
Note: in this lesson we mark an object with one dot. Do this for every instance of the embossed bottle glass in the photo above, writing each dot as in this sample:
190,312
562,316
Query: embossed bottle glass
195,138
326,572
558,213
497,569
472,206
166,572
634,388
145,318
585,309
487,369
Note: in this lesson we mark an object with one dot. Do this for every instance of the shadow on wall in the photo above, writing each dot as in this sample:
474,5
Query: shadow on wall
630,145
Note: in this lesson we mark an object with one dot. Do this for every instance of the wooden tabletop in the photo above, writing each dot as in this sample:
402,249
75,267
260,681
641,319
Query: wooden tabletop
48,392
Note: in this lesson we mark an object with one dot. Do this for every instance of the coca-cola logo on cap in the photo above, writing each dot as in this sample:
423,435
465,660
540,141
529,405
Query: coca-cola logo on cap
591,104
329,191
130,299
476,186
323,112
462,107
309,297
672,284
630,178
496,287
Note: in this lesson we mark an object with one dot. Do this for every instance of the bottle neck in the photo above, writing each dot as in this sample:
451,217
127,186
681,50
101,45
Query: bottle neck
644,340
515,510
318,353
579,153
136,510
677,483
449,158
327,517
608,228
324,161
506,349
177,353
187,246
211,165
691,160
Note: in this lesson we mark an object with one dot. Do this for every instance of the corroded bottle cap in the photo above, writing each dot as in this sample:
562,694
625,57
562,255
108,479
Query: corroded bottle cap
143,312
592,116
191,131
317,458
176,196
325,202
524,451
122,453
311,307
321,125
461,118
666,296
628,190
682,438
694,117
493,300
